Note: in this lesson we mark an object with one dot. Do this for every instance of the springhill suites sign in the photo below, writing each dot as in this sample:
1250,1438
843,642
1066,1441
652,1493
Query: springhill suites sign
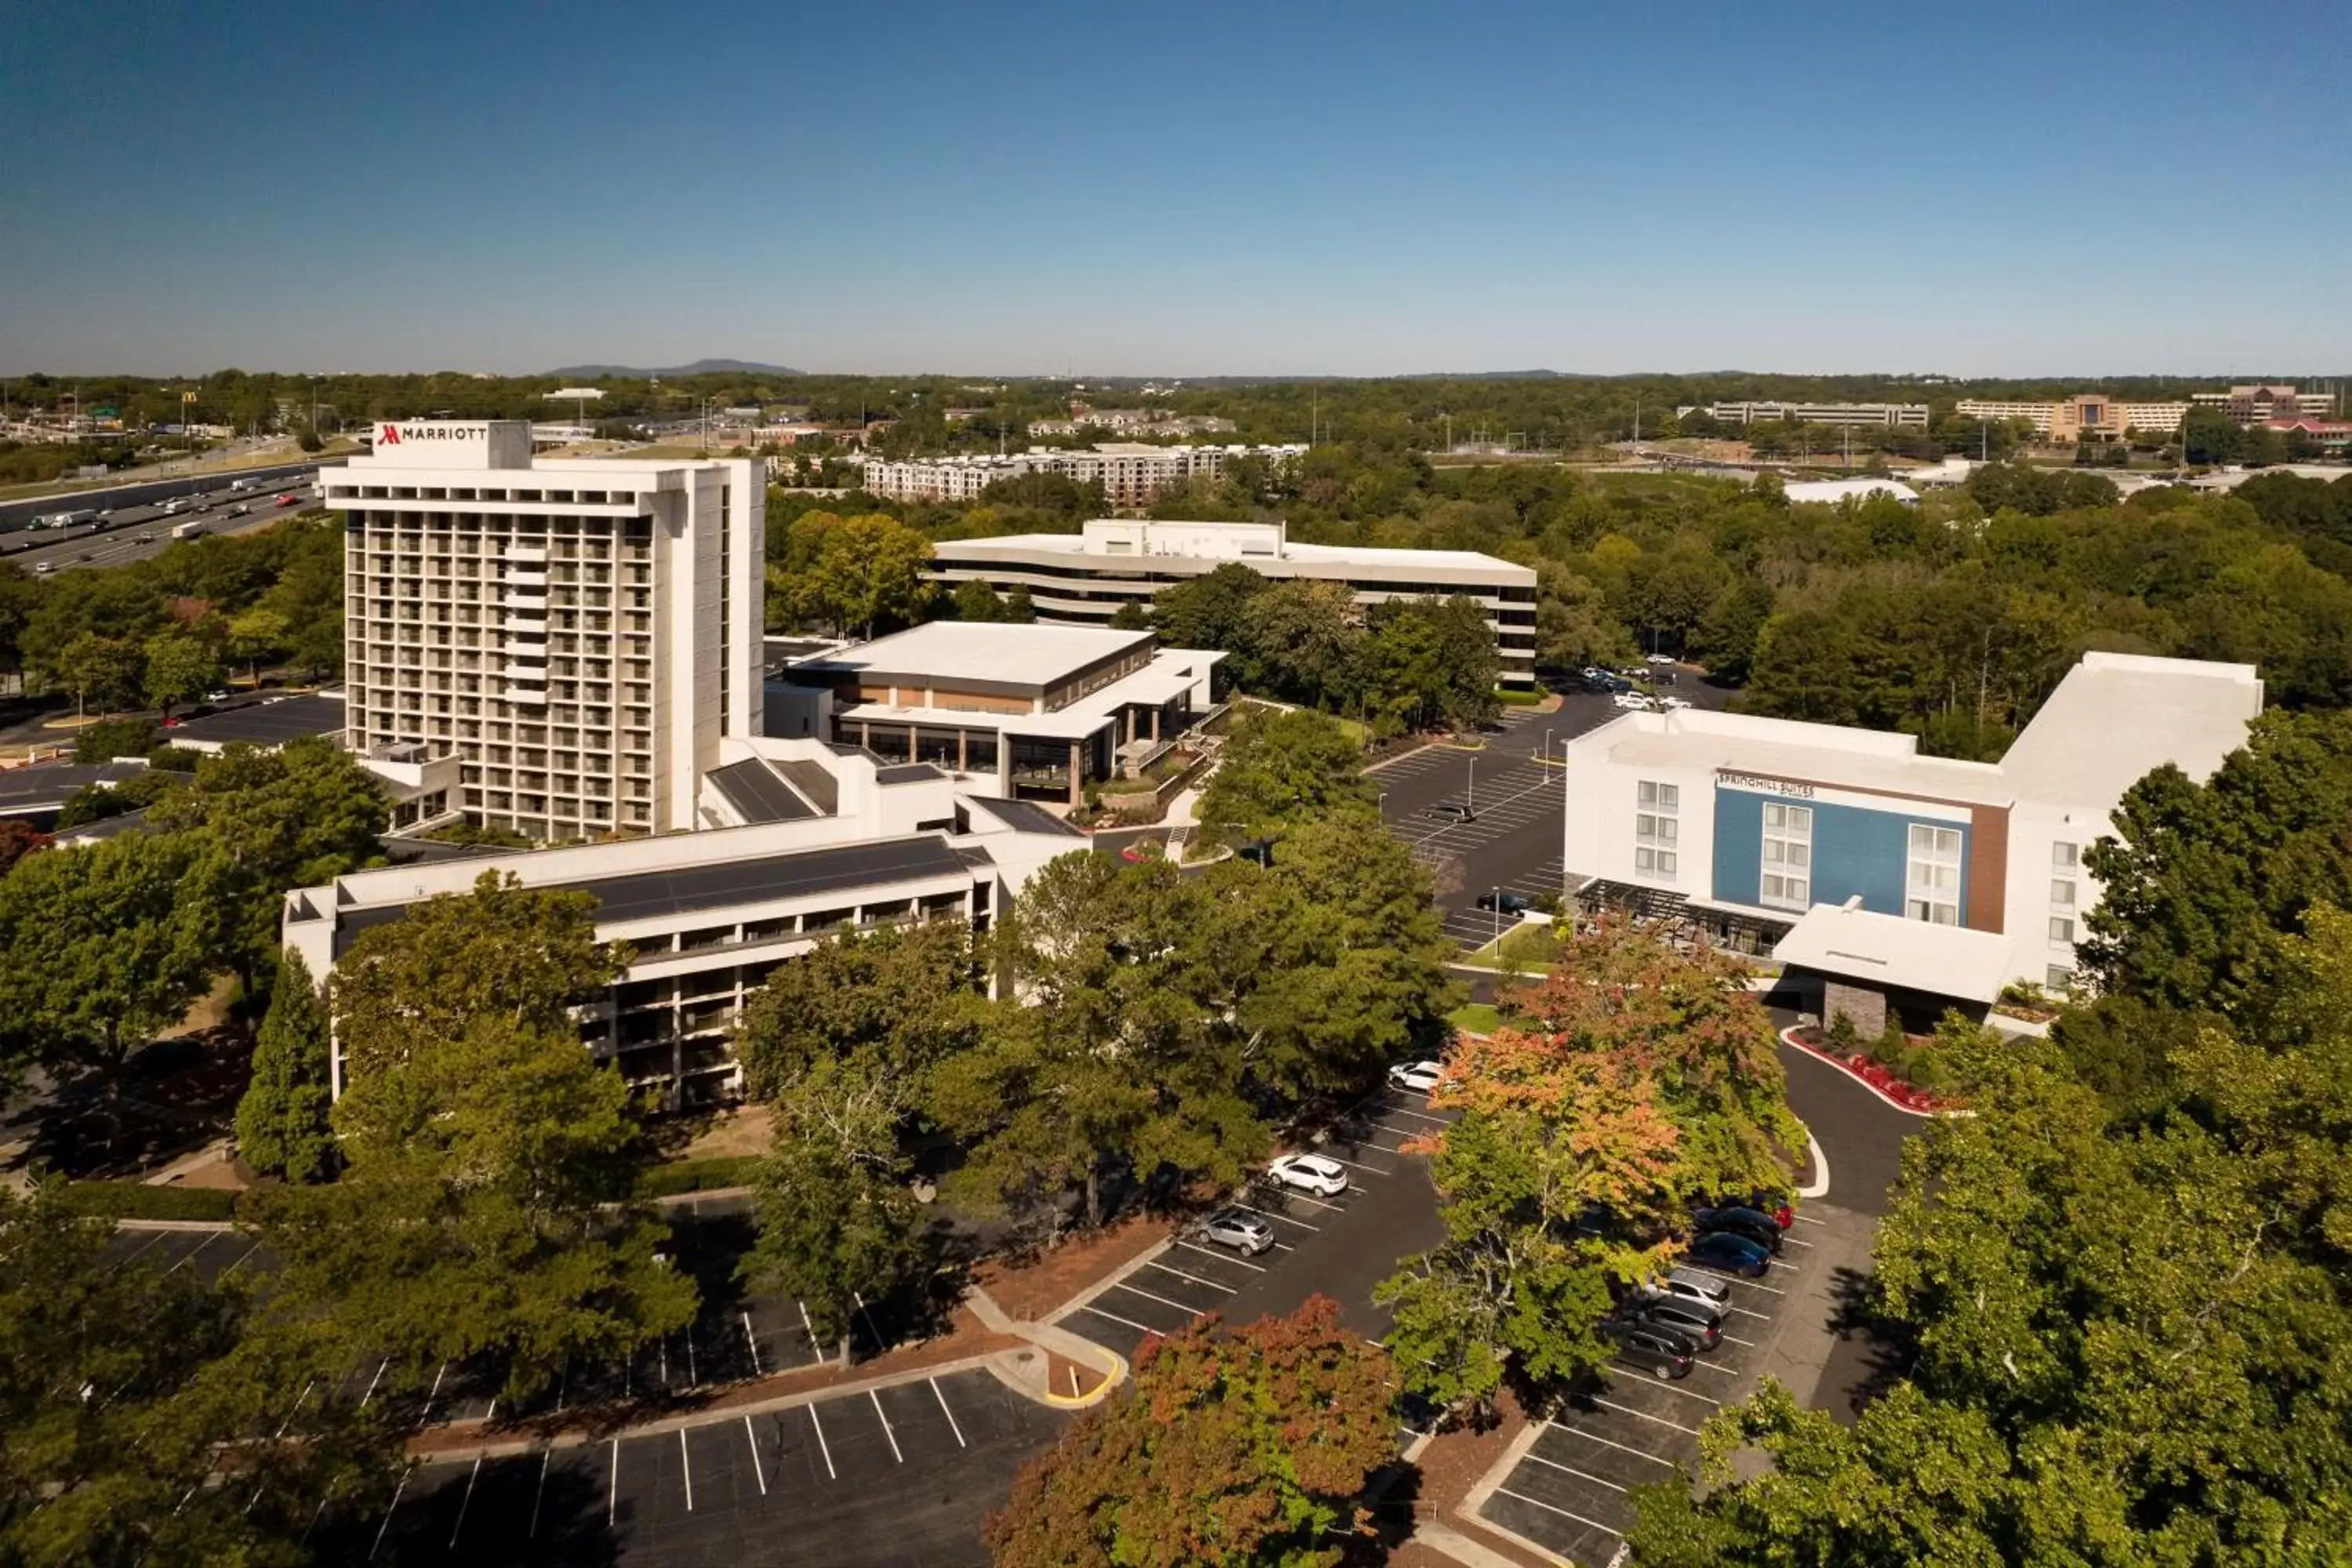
1758,783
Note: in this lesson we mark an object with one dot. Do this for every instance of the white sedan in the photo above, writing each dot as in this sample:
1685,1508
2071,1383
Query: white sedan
1659,658
1310,1174
1673,702
1419,1076
1633,701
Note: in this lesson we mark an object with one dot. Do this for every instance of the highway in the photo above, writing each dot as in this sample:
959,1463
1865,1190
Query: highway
15,514
133,532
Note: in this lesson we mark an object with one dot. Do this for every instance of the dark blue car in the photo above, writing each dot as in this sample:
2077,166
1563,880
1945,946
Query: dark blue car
1731,1253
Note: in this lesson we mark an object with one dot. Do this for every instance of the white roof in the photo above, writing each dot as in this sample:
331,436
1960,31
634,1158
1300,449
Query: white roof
1889,950
1785,748
1834,491
1030,654
2117,715
950,552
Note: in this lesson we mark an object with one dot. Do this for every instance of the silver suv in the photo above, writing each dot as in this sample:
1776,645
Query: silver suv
1239,1229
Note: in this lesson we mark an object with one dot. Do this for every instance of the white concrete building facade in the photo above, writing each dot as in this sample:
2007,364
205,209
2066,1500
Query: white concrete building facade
1885,416
1082,579
1815,837
1132,473
579,633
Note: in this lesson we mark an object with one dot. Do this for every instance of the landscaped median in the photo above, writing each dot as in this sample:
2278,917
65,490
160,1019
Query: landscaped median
1529,947
1873,1074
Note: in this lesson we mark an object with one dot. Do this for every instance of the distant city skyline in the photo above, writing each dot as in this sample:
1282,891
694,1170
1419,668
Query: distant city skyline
1237,190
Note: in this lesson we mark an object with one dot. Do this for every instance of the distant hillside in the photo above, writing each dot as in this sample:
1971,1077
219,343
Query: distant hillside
699,367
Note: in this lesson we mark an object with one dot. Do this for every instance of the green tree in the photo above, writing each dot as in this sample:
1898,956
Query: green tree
133,1397
836,1222
100,951
1302,641
1429,661
1282,767
976,601
282,1126
1018,607
1212,611
1130,616
255,637
850,574
110,738
483,1209
180,667
902,997
256,824
1726,641
1231,1446
104,670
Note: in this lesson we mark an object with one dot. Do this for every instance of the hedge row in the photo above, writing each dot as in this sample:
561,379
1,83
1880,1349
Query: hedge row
137,1200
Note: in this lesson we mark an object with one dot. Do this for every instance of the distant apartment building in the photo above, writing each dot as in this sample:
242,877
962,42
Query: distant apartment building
1132,474
579,634
1133,422
2086,414
1082,579
1885,416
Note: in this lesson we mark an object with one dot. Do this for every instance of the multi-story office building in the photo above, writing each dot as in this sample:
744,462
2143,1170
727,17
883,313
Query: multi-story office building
799,840
2251,405
2086,414
1084,578
581,635
1132,473
1886,416
1875,869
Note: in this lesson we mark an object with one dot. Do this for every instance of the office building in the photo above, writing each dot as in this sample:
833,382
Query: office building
1877,871
1885,416
2086,414
799,840
1082,578
580,634
2254,405
1016,711
1132,473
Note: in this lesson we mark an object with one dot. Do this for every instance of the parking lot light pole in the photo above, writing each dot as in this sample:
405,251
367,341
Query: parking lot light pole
1470,790
1499,923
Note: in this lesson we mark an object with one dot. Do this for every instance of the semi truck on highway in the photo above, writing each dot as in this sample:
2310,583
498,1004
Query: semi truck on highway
68,519
189,529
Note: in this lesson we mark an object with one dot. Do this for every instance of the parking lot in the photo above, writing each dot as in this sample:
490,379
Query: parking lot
898,1475
1569,1492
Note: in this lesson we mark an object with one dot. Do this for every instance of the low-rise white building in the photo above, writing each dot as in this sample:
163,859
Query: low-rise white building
1084,578
1813,836
796,840
1885,416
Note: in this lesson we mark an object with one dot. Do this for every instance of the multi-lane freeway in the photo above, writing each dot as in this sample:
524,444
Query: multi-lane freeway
133,526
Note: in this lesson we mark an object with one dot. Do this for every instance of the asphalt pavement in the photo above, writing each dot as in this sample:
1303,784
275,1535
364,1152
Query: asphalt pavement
134,532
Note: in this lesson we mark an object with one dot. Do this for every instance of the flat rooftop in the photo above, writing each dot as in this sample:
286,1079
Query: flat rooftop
269,723
2117,717
1890,951
1018,653
951,550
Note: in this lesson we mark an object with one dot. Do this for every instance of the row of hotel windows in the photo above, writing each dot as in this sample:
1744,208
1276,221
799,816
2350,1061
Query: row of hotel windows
1931,865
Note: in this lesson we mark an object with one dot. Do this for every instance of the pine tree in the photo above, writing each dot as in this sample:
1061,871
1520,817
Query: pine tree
281,1122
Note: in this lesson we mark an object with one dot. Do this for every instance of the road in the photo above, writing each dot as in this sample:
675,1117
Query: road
133,532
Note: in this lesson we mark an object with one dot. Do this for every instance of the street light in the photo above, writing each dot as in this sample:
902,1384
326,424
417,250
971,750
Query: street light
1499,923
1470,792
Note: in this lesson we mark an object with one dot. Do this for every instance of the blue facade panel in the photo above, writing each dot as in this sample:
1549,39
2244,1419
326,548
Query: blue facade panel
1856,851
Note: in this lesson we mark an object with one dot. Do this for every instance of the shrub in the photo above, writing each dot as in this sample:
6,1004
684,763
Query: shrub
1844,1038
682,1176
137,1200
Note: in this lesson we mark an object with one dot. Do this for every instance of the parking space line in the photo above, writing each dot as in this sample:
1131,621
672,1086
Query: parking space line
687,1459
1793,1241
1246,1263
875,1394
390,1511
373,1381
538,1496
1374,1169
1596,1437
1195,1278
1760,1317
1318,1202
758,1469
1644,1415
1724,1274
1284,1217
1127,1322
1134,1290
1735,1339
1564,1514
192,1251
943,1398
752,1339
613,1487
432,1395
152,1242
1809,1219
810,1329
240,1260
1668,1385
1726,1371
465,1502
1408,1111
1580,1475
821,1445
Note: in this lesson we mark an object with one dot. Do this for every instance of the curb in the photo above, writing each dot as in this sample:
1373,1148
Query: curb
1052,1320
1788,1038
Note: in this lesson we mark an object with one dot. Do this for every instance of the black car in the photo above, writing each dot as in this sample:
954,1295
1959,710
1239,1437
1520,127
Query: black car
1695,1321
1664,1352
1452,811
1505,903
1732,1253
1755,1227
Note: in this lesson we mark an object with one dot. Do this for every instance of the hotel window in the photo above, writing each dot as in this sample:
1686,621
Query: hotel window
2064,860
1787,855
1656,830
1932,877
2062,931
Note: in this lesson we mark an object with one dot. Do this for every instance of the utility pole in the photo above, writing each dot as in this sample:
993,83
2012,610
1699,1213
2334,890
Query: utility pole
1637,419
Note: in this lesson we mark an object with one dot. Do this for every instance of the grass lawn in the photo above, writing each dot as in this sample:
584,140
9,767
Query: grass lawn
1477,1018
1527,949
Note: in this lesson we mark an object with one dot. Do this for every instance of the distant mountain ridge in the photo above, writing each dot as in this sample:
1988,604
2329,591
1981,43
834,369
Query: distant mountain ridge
699,367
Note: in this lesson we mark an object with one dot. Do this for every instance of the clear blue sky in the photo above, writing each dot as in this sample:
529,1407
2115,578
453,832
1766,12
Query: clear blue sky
1191,189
